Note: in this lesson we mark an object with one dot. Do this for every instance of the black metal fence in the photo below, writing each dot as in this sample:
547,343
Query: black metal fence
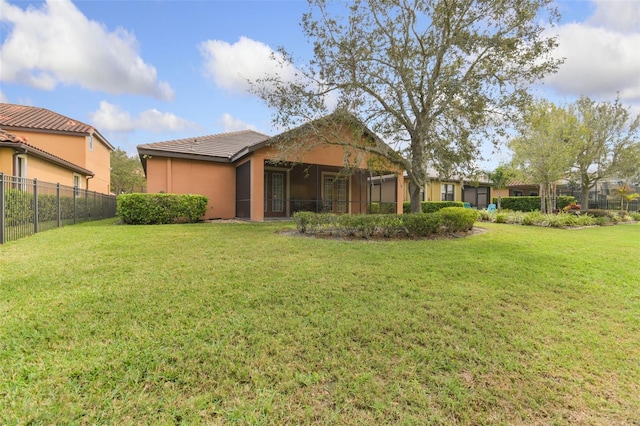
28,206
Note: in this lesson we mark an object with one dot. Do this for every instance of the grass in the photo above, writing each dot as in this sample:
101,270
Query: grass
237,323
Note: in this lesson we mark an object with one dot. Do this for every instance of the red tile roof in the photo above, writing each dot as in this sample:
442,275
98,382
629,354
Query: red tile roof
29,117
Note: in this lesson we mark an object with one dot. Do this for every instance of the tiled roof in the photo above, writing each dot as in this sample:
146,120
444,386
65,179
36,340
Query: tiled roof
17,142
10,137
29,117
223,145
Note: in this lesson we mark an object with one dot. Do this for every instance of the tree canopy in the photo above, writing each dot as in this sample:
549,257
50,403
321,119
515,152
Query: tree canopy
606,144
542,151
432,78
583,142
126,173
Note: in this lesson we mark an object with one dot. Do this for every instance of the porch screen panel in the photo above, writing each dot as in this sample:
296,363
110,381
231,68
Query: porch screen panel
327,202
342,195
277,186
243,190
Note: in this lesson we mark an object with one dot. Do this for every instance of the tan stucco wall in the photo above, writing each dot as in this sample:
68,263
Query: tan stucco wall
217,181
75,149
99,162
40,169
433,190
6,161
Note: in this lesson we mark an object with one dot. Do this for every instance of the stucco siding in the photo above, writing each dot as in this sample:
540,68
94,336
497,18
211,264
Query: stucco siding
75,149
6,161
213,180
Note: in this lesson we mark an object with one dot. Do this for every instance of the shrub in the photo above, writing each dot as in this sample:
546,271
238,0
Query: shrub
456,219
432,206
147,209
522,204
565,200
422,224
502,217
18,207
635,216
486,215
382,208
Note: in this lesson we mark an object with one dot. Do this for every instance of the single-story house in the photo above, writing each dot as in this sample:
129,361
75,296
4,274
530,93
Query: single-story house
250,175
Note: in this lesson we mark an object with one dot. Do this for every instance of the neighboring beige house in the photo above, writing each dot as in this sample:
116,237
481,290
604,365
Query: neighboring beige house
477,193
244,176
36,143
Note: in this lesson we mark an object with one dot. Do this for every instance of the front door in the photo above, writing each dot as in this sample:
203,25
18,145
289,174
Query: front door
275,191
335,194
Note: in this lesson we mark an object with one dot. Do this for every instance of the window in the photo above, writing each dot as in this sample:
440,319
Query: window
77,184
21,171
91,142
277,186
447,192
335,193
533,193
517,193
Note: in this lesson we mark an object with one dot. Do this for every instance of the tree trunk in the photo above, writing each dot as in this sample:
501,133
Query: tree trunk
414,194
584,200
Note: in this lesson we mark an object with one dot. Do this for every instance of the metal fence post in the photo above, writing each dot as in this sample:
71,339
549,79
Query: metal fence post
58,204
35,206
2,209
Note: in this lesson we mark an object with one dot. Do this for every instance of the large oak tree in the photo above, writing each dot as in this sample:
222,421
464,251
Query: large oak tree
432,78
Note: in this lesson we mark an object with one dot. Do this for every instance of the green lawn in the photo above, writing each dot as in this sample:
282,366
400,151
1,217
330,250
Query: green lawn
237,323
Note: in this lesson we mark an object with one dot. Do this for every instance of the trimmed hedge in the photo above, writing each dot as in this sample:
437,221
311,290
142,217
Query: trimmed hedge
432,206
530,204
445,221
519,204
154,209
384,208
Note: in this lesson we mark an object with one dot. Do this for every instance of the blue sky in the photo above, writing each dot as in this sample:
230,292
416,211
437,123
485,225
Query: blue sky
149,71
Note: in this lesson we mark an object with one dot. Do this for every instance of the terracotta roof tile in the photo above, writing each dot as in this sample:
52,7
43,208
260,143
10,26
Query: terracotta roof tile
29,117
223,145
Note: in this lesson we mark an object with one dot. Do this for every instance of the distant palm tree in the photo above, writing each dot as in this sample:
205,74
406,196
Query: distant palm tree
625,193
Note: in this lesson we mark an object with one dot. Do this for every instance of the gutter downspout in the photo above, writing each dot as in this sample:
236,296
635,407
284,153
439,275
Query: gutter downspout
15,160
87,182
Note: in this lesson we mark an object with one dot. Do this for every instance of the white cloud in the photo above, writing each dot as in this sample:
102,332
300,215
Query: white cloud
602,55
230,65
618,15
231,124
57,44
111,118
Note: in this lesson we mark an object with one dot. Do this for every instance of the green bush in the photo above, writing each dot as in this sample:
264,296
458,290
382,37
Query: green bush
18,206
148,209
457,219
452,219
635,216
422,224
563,201
522,204
432,206
382,208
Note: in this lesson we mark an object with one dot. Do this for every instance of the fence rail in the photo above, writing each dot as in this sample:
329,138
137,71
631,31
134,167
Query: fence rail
29,206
